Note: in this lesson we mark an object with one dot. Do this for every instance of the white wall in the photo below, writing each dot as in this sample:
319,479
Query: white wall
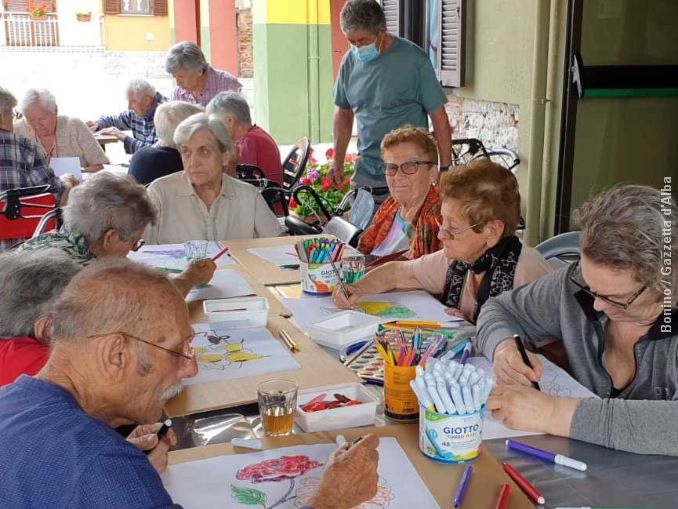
77,33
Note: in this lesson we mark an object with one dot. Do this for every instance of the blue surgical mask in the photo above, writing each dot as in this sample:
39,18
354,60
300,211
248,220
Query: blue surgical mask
366,53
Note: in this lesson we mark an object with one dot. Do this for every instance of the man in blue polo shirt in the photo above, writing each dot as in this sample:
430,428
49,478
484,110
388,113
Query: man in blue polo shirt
385,82
121,345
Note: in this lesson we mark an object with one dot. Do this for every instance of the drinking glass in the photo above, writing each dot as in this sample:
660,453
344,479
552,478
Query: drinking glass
277,403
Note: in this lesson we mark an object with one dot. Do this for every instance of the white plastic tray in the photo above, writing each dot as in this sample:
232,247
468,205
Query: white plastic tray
337,418
241,312
343,328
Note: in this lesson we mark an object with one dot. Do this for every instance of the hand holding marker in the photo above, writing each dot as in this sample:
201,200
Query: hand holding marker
450,388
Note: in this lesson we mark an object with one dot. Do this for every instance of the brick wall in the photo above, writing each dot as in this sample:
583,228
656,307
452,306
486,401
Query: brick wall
245,42
495,124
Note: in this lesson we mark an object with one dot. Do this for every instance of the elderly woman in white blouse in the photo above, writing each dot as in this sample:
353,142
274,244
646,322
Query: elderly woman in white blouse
202,202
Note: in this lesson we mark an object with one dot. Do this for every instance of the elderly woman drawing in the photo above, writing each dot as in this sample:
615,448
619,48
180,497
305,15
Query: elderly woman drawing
106,217
481,255
58,135
197,81
29,285
202,202
150,163
407,222
615,313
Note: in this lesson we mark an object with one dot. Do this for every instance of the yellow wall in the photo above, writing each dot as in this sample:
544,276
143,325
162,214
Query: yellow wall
128,33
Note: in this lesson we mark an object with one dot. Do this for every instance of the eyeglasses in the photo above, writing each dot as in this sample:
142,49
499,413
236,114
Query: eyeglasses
17,114
407,168
186,354
452,234
577,280
138,245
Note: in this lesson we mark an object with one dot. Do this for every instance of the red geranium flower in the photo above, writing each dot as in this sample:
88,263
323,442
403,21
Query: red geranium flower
281,469
326,185
293,203
329,153
305,181
350,158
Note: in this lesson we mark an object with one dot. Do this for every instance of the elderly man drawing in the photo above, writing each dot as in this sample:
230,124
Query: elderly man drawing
121,348
142,101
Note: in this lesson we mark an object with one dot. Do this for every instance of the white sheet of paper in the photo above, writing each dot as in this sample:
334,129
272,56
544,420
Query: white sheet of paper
310,308
213,483
223,285
555,381
224,353
65,165
277,255
172,257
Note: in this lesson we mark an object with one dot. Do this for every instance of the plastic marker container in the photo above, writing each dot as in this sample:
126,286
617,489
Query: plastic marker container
400,402
318,278
450,438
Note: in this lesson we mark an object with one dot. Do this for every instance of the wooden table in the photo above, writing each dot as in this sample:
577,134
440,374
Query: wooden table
105,139
441,480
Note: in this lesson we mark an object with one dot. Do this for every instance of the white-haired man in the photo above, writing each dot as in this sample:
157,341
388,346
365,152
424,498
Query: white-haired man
121,345
142,100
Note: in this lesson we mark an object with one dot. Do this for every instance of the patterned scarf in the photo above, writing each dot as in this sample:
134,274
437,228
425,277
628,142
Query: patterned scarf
498,264
74,244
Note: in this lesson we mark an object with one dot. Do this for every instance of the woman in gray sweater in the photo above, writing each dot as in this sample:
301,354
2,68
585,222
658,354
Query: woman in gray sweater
616,316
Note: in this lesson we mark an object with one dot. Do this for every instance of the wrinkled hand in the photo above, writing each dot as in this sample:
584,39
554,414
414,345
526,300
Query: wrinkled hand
509,368
350,476
199,272
340,299
114,131
144,437
336,173
93,125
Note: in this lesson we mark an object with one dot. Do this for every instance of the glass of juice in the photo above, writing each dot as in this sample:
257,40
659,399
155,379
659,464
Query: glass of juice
277,403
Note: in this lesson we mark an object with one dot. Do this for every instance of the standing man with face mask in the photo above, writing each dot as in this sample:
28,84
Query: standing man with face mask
386,82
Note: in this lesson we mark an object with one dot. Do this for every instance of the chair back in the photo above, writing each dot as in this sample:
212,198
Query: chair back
294,164
562,249
251,174
22,209
343,230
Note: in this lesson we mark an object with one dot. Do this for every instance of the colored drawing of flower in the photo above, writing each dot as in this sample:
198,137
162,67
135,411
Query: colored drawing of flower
308,486
285,467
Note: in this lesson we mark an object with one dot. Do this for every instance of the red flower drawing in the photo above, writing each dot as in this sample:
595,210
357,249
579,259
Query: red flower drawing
281,469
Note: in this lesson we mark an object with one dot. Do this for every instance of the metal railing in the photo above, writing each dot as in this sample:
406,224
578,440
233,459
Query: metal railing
22,30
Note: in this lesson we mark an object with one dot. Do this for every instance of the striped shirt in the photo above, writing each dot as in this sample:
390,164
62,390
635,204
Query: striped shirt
143,128
217,81
22,165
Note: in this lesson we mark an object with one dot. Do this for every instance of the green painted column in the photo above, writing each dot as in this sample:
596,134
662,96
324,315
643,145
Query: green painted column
293,69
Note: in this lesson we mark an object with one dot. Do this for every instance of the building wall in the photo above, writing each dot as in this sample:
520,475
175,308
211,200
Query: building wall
79,33
137,33
245,63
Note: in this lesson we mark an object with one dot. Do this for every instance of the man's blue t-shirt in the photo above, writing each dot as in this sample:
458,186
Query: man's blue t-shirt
398,88
54,455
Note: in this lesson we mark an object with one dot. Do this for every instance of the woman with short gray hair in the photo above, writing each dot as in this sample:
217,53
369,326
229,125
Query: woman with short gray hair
614,314
197,81
203,202
29,284
163,158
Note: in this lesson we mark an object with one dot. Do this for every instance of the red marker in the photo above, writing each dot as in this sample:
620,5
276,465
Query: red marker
219,254
503,498
524,484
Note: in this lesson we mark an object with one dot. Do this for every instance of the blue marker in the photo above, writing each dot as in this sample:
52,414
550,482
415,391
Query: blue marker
463,486
466,353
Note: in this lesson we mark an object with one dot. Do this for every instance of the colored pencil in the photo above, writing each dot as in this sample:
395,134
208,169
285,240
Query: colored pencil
524,484
219,254
503,498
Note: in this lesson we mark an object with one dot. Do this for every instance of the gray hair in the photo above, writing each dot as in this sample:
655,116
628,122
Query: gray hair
141,88
230,104
168,116
40,97
107,201
185,55
30,282
362,15
7,100
627,227
109,295
201,121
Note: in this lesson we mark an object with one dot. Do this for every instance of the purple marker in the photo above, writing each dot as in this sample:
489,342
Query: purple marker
465,354
463,486
546,455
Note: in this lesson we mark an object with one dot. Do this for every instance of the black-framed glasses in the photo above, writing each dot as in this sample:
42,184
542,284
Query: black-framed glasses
577,280
186,354
138,245
407,168
452,234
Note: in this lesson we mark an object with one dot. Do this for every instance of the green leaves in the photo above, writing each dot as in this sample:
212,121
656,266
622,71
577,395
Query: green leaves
248,496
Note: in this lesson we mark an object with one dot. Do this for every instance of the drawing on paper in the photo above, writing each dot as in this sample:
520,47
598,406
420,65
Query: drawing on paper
171,253
221,353
290,468
385,309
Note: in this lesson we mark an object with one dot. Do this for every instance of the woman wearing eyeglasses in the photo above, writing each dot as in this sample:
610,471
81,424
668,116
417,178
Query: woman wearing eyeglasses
615,315
481,255
105,217
407,221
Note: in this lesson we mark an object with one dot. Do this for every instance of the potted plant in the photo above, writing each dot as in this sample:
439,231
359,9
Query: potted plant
83,15
38,11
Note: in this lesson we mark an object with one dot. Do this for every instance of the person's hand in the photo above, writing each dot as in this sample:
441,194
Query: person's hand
336,173
456,313
199,272
145,438
340,299
509,368
350,477
93,125
114,131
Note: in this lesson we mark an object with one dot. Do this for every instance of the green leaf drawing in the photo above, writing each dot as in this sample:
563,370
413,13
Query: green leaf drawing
248,496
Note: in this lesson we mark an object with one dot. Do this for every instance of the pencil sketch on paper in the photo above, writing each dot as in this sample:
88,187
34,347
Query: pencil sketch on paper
169,252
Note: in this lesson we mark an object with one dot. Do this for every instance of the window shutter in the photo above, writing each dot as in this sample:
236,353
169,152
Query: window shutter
452,45
160,7
111,6
391,10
